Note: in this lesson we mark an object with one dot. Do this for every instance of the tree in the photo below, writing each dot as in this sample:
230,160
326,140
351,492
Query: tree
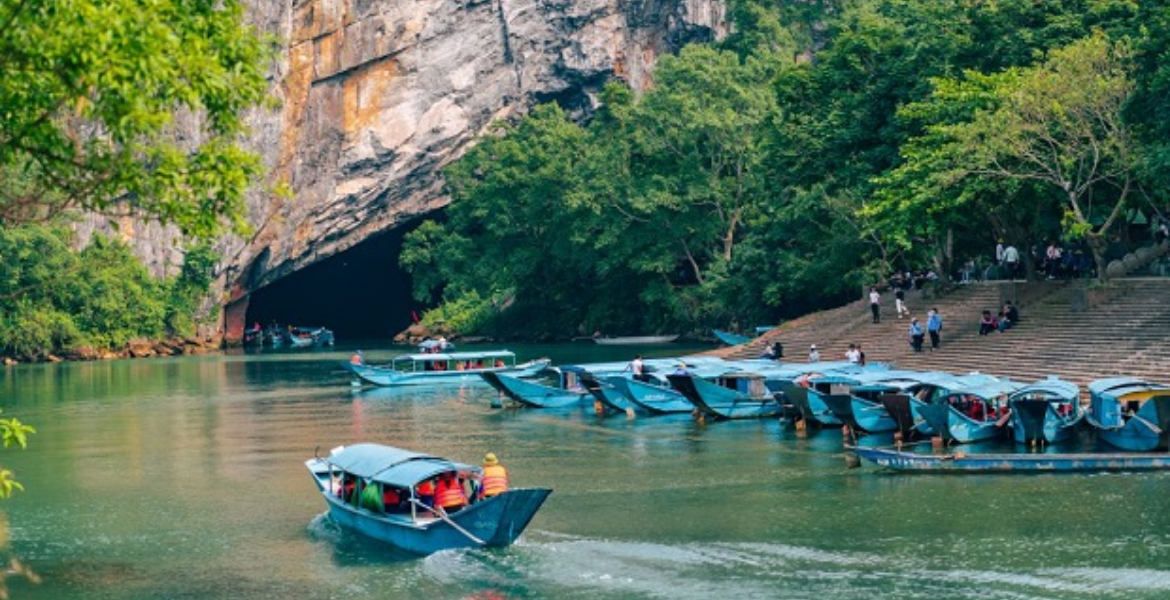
1058,124
95,94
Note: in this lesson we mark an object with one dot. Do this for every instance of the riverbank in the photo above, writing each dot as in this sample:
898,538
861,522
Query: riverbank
173,346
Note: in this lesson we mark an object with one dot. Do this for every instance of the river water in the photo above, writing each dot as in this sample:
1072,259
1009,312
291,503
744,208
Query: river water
183,478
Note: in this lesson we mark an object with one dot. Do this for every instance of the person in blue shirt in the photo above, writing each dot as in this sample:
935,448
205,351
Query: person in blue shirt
934,328
916,335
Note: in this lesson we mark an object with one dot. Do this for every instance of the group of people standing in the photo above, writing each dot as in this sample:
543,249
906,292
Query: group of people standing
934,325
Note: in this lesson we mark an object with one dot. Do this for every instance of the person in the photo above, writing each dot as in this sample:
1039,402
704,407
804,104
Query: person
495,477
637,368
442,345
391,499
860,356
813,355
1011,312
777,350
1163,231
875,301
357,358
1011,261
999,252
900,302
1052,258
1003,323
916,335
853,355
425,492
681,369
769,353
449,494
965,273
934,328
987,323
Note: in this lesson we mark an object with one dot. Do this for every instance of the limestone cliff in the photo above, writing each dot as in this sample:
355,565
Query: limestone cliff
377,95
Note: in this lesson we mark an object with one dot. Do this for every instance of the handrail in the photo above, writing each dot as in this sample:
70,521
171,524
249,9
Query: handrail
442,514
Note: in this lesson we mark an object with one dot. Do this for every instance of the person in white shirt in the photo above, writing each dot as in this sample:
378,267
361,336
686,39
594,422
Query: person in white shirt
813,355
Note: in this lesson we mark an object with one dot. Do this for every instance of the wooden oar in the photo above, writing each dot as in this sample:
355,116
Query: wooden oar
442,514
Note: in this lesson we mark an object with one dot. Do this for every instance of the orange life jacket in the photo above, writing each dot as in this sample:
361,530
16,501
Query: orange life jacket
426,488
495,481
450,494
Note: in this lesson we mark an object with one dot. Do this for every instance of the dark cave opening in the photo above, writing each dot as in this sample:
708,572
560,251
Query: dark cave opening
360,294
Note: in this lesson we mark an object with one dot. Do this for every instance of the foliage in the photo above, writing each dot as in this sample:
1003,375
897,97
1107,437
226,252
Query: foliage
96,93
818,147
14,433
55,300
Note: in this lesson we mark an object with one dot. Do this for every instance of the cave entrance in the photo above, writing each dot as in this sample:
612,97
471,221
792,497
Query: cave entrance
361,294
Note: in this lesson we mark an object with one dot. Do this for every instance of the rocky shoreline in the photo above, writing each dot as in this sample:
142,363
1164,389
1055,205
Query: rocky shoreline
175,346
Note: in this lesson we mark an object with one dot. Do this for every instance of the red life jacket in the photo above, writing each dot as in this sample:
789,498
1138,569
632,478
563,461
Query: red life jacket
449,494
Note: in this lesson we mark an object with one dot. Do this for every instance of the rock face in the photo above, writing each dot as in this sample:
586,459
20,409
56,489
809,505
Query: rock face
378,95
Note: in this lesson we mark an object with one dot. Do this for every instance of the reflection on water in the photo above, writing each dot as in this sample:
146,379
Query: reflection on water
184,478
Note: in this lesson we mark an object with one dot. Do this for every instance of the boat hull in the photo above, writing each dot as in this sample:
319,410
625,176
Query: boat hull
1012,463
723,403
531,393
650,398
636,340
1035,421
956,427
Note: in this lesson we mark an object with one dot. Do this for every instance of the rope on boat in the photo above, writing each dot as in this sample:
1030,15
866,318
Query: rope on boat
442,514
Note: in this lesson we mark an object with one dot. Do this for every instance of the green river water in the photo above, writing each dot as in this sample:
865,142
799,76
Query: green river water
184,479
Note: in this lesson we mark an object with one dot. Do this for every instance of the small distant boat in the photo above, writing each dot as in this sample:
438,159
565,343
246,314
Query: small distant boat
444,368
1045,412
1129,413
731,339
432,345
960,462
356,480
635,340
309,337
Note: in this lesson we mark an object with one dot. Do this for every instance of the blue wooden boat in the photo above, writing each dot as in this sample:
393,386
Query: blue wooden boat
731,339
882,404
945,383
651,396
1129,413
960,462
635,340
734,395
343,477
826,379
971,413
1045,412
565,390
444,368
611,398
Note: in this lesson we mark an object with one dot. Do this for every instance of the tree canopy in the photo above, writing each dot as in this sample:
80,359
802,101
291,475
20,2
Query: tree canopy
820,147
128,108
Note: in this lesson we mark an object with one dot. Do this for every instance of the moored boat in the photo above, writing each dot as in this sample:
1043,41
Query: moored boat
959,462
635,340
372,489
566,390
444,368
309,337
733,395
1129,413
971,413
731,339
1045,412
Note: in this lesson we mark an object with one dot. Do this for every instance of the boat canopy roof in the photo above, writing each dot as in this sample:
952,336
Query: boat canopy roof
986,389
1117,387
390,465
436,356
1053,386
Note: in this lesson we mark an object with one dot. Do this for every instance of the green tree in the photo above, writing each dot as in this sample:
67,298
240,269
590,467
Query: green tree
94,93
1056,129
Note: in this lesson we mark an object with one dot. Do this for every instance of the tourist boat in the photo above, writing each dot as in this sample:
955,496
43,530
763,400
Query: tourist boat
635,340
970,413
731,339
733,395
556,387
309,337
824,379
344,476
444,368
1045,412
881,403
654,394
607,395
959,462
1129,413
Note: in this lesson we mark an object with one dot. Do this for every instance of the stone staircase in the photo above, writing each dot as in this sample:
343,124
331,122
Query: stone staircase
1066,329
